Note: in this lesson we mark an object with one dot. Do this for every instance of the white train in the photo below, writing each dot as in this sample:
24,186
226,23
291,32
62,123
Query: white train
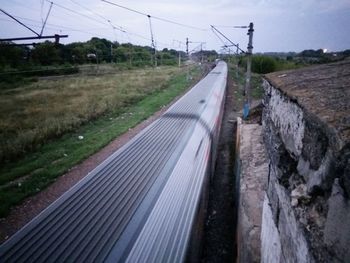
144,203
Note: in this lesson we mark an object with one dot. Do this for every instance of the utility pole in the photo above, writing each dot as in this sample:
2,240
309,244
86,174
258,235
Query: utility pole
247,90
187,45
201,53
229,55
153,42
188,57
179,52
237,61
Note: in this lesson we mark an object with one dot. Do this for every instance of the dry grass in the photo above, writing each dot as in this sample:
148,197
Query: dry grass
36,112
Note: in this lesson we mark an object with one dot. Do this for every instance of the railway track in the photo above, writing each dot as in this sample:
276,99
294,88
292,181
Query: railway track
142,203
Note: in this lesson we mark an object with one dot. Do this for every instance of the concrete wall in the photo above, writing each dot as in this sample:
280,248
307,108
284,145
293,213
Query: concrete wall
299,196
306,215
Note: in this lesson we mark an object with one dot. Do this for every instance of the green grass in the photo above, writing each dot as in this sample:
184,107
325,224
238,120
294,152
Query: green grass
40,168
257,90
36,112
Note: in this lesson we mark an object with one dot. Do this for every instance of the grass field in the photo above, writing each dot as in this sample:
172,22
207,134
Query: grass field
36,112
46,118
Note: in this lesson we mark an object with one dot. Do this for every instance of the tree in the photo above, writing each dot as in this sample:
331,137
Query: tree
263,64
46,53
11,55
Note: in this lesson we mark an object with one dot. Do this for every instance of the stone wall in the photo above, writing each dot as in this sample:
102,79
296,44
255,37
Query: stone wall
306,122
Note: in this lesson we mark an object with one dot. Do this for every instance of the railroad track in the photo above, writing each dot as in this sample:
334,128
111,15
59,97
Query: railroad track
142,203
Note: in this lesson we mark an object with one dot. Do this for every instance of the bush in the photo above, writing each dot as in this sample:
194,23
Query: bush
263,64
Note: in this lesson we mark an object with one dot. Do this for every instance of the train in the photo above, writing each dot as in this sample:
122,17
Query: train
144,203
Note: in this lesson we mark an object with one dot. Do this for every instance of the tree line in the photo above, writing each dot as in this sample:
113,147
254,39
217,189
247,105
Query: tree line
96,50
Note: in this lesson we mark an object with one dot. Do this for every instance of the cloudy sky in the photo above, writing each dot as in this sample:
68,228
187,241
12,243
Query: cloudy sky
280,25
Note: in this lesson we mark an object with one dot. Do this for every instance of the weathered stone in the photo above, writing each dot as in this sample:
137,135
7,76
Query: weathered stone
299,193
281,161
315,143
295,247
271,251
306,120
272,194
288,118
322,95
322,92
343,168
337,230
322,177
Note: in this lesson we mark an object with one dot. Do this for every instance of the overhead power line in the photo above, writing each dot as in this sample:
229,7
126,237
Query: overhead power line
236,45
47,16
106,20
19,22
75,12
231,26
154,17
55,26
101,16
218,36
39,36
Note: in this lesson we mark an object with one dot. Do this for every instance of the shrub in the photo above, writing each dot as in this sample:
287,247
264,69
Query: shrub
263,64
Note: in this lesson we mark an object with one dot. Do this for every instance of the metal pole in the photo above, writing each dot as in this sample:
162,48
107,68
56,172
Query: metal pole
19,22
47,16
153,42
201,53
249,73
229,55
187,45
188,57
237,61
179,59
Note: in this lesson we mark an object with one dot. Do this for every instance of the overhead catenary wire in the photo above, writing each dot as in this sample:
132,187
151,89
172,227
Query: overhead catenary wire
58,27
120,28
218,36
19,22
95,17
231,26
55,26
236,45
154,17
149,17
105,22
47,16
78,13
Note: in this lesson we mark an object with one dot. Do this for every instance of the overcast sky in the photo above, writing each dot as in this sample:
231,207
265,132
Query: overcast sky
280,25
